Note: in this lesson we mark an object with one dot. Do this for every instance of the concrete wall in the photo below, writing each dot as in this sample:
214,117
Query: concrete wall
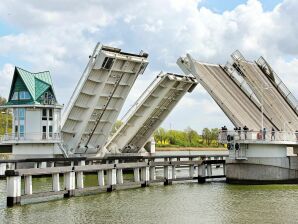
263,170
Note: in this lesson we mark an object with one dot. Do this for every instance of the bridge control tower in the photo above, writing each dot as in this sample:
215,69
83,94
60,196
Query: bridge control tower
36,116
261,157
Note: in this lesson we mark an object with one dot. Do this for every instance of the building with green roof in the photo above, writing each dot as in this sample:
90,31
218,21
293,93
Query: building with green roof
36,116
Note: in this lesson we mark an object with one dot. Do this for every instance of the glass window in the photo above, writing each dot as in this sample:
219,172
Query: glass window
21,114
44,114
16,114
22,130
50,114
44,132
15,96
24,95
50,131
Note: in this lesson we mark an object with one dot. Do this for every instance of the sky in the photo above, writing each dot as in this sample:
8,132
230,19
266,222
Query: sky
60,35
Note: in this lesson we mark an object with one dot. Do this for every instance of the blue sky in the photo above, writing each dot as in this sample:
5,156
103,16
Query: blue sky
60,35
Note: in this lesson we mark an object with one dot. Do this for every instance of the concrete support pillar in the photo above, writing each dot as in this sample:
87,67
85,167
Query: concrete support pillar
202,173
13,190
167,176
111,179
191,169
52,164
136,174
72,163
173,172
28,185
70,182
2,169
119,176
145,176
42,165
80,176
55,182
152,172
209,170
101,178
35,165
224,168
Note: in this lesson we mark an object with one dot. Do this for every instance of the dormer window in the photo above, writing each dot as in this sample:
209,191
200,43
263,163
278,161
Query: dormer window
24,95
15,96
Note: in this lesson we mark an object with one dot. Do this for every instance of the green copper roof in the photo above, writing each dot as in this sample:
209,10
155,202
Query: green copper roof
35,83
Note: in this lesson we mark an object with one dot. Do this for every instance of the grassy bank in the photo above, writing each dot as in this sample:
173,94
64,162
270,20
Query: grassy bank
189,149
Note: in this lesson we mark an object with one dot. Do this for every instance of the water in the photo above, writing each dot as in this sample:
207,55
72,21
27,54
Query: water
215,202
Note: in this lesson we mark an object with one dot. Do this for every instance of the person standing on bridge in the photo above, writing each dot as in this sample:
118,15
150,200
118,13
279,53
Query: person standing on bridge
245,129
264,133
272,134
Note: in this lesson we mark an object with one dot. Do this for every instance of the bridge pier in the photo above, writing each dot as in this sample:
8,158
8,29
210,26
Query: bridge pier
167,174
80,175
145,176
70,180
28,184
111,180
191,169
13,188
136,174
202,173
55,182
209,170
101,178
119,176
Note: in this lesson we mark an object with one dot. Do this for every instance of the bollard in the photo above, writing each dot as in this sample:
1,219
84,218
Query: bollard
28,185
13,188
70,180
119,176
55,182
136,174
101,178
145,176
202,173
80,175
111,180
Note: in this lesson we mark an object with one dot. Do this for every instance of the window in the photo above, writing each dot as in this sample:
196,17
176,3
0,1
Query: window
50,114
107,63
50,131
22,130
24,95
21,114
44,114
44,132
15,96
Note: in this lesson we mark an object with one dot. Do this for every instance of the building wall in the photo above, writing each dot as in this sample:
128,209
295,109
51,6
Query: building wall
33,123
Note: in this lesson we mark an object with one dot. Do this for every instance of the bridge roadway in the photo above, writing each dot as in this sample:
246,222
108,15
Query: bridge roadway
275,106
239,107
148,112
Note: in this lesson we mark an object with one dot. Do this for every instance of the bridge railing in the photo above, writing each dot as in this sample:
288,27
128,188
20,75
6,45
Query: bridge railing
32,136
258,136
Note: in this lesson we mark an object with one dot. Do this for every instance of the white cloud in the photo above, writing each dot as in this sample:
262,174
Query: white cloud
60,35
6,74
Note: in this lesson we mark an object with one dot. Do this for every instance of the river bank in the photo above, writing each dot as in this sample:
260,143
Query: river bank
162,149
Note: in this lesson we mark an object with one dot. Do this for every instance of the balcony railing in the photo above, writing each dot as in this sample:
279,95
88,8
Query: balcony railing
258,136
30,137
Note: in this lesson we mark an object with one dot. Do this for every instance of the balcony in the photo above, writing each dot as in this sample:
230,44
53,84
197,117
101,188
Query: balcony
42,137
259,137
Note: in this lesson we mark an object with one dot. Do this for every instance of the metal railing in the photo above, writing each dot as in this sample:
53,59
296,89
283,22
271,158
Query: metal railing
258,136
36,136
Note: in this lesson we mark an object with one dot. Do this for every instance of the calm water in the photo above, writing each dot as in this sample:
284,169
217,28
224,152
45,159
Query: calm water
214,202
